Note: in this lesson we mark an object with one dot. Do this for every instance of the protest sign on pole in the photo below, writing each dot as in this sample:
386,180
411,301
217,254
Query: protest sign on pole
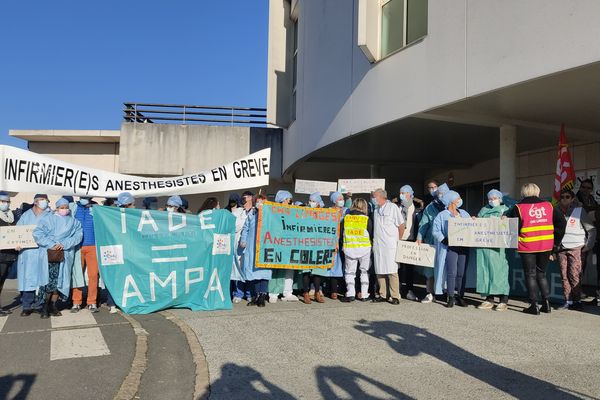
483,232
415,254
152,260
310,187
292,237
24,171
360,185
17,236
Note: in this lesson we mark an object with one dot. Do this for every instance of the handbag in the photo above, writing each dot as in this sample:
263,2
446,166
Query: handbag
56,256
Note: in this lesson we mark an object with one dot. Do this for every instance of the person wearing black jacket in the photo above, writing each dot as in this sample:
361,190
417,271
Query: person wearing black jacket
534,246
8,256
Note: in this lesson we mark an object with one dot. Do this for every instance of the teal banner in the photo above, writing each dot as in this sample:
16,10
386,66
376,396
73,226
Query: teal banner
292,237
153,260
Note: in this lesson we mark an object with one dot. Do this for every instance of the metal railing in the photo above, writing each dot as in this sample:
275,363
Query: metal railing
187,114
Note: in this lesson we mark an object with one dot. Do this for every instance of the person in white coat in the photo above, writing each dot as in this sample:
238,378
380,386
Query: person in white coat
388,227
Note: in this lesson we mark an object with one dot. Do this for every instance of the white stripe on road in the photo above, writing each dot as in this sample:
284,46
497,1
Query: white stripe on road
170,247
75,343
82,318
169,259
3,321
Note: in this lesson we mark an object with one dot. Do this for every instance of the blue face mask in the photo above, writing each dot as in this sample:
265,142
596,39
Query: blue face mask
3,206
373,202
84,202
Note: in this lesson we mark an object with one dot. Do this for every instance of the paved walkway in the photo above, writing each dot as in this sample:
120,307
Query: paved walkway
380,351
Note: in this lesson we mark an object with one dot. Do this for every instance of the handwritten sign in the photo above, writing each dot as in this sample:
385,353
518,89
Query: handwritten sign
415,254
292,237
17,236
310,187
483,232
360,185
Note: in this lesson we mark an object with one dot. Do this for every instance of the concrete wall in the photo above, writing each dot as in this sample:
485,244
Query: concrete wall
473,46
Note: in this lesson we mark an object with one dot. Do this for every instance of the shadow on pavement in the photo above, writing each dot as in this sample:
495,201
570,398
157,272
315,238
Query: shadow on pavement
412,341
19,384
353,383
241,382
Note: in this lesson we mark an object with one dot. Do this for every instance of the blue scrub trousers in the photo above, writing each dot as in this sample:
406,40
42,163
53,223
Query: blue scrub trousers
27,299
456,264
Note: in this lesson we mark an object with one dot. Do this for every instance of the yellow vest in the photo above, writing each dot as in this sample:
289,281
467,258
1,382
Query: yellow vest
355,232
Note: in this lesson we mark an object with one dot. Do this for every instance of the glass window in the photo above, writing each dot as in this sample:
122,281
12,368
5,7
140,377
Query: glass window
416,20
392,26
294,70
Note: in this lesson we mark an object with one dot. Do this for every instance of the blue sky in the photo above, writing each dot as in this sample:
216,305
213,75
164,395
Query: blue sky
71,64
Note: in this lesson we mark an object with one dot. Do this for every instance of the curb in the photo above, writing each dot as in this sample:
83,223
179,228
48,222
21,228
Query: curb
131,384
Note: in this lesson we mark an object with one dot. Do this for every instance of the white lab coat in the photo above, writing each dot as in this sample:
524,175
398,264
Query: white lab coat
387,219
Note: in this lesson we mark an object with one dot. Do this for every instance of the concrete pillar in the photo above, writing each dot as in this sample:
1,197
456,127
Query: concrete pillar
508,160
374,171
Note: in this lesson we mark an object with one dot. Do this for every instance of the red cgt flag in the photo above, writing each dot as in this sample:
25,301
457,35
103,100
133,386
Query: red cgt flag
565,174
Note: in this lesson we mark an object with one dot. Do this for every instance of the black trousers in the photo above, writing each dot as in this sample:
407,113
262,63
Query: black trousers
534,265
4,268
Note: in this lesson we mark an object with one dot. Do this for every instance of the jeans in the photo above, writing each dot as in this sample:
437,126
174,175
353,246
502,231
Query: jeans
456,264
534,265
27,299
259,286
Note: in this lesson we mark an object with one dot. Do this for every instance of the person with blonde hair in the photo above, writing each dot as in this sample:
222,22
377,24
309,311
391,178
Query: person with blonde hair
357,233
541,229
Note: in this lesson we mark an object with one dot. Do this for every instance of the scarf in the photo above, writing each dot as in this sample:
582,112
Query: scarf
7,216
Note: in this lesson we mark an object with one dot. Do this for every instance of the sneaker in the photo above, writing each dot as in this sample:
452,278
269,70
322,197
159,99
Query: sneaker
411,296
486,305
236,300
566,305
93,308
272,298
75,308
113,309
427,299
501,307
291,297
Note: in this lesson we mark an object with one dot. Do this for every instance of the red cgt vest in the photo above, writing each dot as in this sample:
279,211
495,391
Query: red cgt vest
537,229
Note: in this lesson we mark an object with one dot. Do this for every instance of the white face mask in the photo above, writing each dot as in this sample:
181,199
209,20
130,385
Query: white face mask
4,206
340,203
313,204
171,209
494,202
43,204
63,212
432,191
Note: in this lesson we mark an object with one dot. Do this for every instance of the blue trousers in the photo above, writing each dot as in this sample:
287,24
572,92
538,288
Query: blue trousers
240,289
28,299
259,286
456,264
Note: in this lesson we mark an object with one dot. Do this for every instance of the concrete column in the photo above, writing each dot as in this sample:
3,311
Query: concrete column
508,160
374,171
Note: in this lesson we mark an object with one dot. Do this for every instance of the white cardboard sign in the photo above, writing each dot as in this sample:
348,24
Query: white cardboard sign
483,232
310,187
13,236
360,185
415,254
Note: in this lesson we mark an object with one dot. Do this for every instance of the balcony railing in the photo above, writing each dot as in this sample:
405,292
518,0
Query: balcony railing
187,114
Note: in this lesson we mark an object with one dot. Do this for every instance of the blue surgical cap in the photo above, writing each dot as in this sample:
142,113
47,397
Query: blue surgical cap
316,197
407,189
334,196
450,197
61,202
174,201
4,196
69,199
148,201
282,195
124,199
442,189
495,193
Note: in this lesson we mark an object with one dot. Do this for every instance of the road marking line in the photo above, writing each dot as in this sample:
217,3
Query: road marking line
75,343
3,321
83,317
65,328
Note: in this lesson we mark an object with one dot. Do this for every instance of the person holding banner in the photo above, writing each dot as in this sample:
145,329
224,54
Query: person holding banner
388,224
409,213
424,235
175,205
58,235
492,265
338,203
541,229
239,289
209,204
8,256
313,275
257,278
32,264
579,239
283,279
455,257
357,234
